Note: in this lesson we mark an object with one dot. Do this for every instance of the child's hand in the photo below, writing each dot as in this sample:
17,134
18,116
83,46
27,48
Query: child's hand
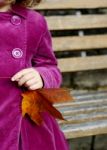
29,77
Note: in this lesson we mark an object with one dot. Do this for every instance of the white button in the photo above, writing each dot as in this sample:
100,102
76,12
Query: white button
16,20
17,53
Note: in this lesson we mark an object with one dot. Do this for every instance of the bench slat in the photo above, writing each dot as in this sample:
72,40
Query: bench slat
88,110
83,107
76,22
82,63
85,117
76,103
71,4
85,129
79,43
89,95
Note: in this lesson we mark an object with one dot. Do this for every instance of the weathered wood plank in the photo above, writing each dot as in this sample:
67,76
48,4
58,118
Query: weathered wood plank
76,22
71,4
84,98
85,129
88,95
79,43
83,110
82,63
85,115
78,103
83,107
84,118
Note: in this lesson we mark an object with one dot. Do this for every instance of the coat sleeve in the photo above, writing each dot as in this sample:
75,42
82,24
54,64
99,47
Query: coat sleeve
45,62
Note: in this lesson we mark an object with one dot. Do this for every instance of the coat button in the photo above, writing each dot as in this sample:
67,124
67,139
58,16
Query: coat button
17,53
16,20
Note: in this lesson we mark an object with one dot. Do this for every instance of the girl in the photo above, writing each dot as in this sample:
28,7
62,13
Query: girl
27,60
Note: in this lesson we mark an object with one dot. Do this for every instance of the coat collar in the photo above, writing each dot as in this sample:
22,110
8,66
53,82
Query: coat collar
19,10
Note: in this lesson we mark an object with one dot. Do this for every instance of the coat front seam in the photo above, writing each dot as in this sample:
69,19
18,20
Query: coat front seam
25,41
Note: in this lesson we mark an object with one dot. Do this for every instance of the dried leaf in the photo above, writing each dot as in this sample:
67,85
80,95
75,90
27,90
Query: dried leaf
55,95
41,100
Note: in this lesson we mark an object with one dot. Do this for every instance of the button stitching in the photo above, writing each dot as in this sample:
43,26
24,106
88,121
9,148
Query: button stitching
16,20
17,53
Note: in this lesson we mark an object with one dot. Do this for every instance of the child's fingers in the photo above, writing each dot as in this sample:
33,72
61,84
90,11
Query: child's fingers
25,78
35,86
27,81
29,77
21,73
30,82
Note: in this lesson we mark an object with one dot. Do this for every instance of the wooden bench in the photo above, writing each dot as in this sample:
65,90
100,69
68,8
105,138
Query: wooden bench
87,115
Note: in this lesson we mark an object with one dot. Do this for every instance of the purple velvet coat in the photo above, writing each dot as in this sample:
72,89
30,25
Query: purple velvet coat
25,41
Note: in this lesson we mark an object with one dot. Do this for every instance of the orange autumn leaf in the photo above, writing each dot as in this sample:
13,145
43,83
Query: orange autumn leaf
41,100
55,95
